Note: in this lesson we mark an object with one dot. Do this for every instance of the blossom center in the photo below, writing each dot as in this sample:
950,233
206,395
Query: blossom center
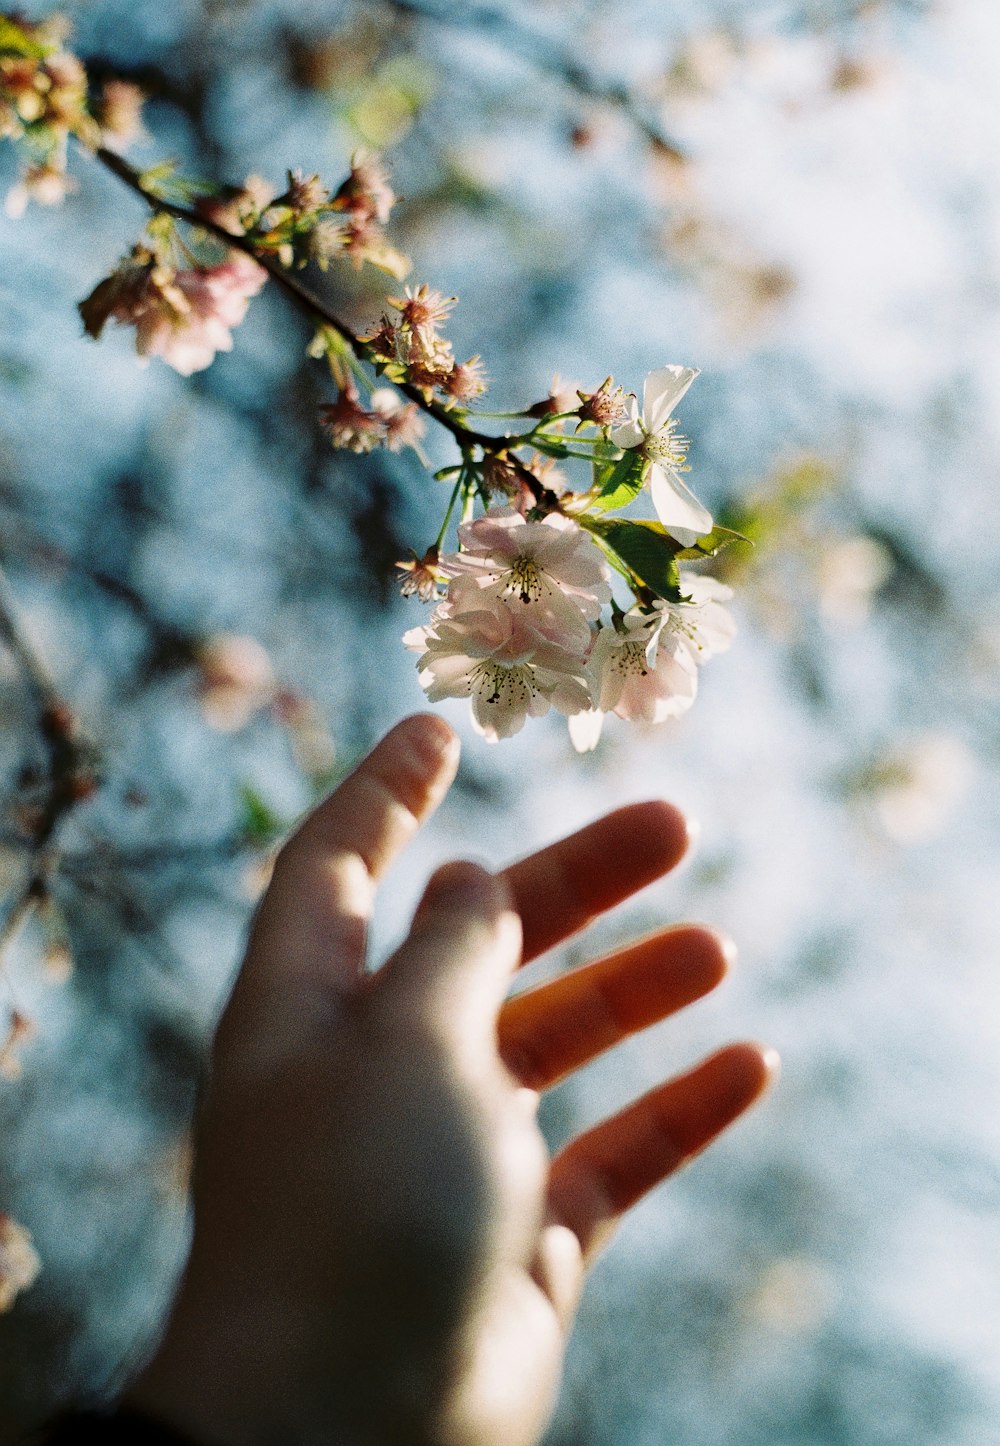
630,658
685,626
506,685
524,579
666,445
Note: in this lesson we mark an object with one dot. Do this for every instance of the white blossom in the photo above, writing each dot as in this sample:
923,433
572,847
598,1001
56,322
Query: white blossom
477,646
640,669
653,432
702,625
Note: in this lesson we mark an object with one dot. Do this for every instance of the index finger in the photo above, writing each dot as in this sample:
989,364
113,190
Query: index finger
560,889
312,922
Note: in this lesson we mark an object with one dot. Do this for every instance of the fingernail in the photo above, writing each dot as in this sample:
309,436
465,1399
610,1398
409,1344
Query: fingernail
772,1062
728,946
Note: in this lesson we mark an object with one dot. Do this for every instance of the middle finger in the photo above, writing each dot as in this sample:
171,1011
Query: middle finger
547,1032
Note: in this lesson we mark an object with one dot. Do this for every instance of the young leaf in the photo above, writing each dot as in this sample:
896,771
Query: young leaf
646,548
711,544
15,41
260,825
623,482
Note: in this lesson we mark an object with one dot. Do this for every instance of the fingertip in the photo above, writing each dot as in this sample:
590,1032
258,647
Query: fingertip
463,945
666,830
706,954
467,886
430,738
463,880
758,1066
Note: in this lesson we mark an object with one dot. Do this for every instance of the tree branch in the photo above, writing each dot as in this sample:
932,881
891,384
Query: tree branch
319,311
66,784
543,53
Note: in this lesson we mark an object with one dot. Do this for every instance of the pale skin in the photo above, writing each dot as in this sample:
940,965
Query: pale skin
383,1252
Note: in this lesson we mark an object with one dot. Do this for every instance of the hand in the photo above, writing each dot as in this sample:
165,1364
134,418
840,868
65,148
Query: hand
383,1254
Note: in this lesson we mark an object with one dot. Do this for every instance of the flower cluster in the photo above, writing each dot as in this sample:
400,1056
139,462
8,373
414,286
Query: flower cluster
183,314
525,620
308,223
520,631
44,100
411,348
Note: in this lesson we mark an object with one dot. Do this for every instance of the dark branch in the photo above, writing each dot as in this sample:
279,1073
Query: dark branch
543,53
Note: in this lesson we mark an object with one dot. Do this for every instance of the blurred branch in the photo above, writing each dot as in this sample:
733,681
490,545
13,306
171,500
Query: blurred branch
549,57
67,783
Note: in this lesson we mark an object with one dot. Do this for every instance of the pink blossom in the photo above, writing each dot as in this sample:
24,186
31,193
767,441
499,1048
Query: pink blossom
701,624
550,571
636,681
404,423
421,576
185,317
236,680
639,669
478,647
351,425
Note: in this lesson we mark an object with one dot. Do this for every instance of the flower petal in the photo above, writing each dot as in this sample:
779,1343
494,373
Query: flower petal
677,507
629,433
661,392
585,729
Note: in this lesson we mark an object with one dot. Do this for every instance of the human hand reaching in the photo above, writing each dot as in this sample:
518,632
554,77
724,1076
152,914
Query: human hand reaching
383,1254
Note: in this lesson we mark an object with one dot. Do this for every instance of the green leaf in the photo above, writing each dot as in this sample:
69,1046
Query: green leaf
712,543
622,482
647,550
259,825
15,41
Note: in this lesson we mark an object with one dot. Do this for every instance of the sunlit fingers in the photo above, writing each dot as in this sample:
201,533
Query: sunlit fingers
549,1031
561,888
597,1177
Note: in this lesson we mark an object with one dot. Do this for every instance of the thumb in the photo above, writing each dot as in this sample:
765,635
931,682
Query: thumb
464,945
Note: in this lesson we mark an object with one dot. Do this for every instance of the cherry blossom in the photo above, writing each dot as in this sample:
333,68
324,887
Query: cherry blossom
640,669
351,425
551,570
186,316
654,434
605,407
421,576
404,423
702,625
478,647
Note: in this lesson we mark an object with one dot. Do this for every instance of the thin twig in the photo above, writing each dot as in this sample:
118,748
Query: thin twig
64,788
546,55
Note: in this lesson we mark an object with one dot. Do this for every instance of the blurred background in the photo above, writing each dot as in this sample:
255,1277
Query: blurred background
803,199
